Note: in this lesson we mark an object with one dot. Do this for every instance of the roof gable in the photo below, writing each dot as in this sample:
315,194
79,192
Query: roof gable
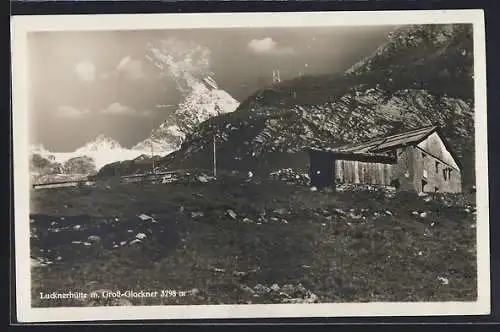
448,148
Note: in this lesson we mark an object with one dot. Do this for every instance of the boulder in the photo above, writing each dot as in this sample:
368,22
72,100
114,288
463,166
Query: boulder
93,238
140,236
232,214
261,289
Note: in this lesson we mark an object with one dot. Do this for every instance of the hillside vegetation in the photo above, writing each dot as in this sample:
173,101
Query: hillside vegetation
237,240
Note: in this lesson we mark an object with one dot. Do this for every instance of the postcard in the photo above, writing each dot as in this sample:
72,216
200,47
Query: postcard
250,165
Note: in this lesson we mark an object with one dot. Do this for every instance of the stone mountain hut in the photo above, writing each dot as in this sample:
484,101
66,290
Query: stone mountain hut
419,160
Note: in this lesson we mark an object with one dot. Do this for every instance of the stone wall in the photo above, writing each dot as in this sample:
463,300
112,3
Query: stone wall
419,170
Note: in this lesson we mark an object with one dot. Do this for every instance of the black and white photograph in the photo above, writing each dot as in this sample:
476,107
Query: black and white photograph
177,166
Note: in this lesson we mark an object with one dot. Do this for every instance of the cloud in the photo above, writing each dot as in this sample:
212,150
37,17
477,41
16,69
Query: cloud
115,108
131,68
268,46
85,71
165,106
118,109
127,67
69,112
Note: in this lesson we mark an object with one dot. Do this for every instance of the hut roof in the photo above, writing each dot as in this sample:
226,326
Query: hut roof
360,156
379,146
389,142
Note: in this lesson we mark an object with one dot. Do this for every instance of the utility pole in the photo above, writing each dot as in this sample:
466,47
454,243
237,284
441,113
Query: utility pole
215,160
276,76
153,157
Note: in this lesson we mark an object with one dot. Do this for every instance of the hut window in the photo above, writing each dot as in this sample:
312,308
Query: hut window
437,167
445,173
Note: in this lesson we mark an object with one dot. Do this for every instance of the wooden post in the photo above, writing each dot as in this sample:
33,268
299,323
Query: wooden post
340,252
215,160
372,237
153,156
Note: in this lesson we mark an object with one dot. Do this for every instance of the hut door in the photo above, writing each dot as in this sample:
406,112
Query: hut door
424,184
321,170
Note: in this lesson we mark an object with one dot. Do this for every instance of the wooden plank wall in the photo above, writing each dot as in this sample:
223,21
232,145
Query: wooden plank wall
351,171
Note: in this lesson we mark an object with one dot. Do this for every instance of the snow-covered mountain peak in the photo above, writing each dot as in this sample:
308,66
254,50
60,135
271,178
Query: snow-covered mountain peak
101,142
187,64
204,101
38,148
100,151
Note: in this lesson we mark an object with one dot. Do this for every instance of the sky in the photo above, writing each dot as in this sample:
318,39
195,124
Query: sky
83,84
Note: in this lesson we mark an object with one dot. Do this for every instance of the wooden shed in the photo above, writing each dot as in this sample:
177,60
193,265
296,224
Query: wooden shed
417,160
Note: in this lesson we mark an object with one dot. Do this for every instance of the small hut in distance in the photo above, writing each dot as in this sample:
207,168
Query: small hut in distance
419,160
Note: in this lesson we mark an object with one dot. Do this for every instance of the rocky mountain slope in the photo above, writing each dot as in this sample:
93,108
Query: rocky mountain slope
205,100
422,75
